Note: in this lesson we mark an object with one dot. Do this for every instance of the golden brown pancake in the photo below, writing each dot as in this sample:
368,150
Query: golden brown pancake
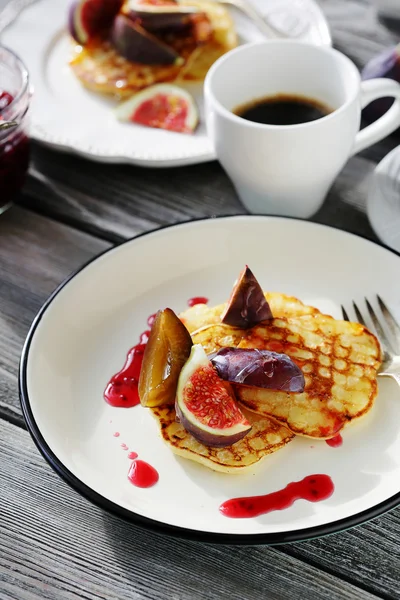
339,360
281,305
100,68
265,437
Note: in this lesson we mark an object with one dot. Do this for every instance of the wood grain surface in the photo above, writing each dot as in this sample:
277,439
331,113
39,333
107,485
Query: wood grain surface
36,255
53,543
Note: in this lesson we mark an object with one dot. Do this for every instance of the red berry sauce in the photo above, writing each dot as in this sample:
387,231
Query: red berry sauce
335,442
142,475
197,300
313,488
14,156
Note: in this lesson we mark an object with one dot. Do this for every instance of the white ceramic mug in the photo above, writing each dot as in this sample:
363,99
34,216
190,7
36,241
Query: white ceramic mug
288,169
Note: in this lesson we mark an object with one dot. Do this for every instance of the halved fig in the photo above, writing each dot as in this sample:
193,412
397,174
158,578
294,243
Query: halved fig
160,17
205,405
247,305
258,368
89,18
134,43
166,352
164,106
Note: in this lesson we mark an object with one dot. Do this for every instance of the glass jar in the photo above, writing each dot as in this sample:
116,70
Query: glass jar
15,97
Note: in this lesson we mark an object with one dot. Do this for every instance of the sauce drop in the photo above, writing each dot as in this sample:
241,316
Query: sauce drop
313,488
335,442
142,475
132,455
197,300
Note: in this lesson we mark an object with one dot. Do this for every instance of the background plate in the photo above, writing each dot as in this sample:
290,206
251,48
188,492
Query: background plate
69,117
82,335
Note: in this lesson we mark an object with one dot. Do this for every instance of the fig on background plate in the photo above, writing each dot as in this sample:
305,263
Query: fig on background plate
167,350
134,43
258,368
160,17
247,305
89,18
206,406
386,64
164,105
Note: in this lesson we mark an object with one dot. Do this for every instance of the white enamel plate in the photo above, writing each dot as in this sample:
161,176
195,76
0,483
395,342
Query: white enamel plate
81,336
68,117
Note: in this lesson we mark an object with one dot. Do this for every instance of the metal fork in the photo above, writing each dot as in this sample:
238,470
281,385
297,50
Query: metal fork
388,332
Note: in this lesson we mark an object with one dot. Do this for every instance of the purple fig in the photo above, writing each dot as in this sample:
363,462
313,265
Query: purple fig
385,64
258,368
89,18
161,17
136,44
163,105
247,305
206,406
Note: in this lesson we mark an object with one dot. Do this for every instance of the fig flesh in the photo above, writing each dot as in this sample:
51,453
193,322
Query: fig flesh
166,352
247,305
205,405
165,106
161,17
258,368
89,18
134,43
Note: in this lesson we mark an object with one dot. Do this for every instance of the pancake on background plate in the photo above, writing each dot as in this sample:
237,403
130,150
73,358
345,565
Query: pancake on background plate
100,67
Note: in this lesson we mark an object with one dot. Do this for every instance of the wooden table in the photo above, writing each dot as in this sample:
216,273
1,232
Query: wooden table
53,543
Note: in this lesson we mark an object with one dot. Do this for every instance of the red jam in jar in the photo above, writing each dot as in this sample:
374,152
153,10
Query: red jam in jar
14,157
14,143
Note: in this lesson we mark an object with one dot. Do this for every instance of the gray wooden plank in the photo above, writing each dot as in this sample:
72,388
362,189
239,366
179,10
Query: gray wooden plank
36,255
55,545
122,201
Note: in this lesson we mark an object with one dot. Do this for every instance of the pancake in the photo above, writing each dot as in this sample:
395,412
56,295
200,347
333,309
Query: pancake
281,305
100,68
339,360
265,437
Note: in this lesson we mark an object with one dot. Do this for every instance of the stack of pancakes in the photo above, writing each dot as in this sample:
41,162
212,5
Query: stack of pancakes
100,68
339,360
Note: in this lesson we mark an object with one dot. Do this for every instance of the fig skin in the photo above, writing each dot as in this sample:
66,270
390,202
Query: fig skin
167,350
172,19
258,368
208,439
102,13
134,43
247,305
204,402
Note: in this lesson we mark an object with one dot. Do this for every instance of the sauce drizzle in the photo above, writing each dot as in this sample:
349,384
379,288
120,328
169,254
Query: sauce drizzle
335,442
313,488
142,475
197,300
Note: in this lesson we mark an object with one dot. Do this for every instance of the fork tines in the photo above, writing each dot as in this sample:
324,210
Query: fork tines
390,344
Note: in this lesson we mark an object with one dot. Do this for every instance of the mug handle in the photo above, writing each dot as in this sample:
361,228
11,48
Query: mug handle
372,89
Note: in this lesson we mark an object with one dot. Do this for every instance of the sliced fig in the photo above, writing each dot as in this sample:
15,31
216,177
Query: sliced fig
258,368
164,106
134,43
89,18
161,17
166,352
205,406
247,305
